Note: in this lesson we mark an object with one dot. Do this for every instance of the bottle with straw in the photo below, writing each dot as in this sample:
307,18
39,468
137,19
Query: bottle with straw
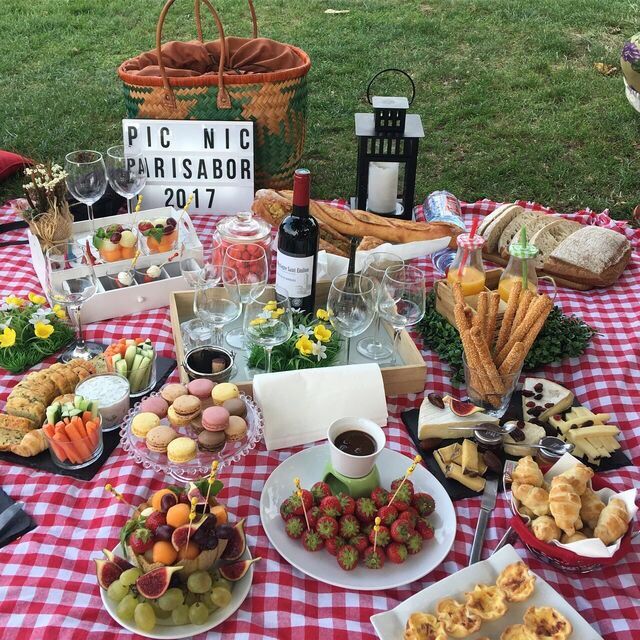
467,267
521,266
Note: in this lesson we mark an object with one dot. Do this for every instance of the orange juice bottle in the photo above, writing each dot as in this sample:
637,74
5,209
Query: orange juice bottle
506,284
521,267
469,255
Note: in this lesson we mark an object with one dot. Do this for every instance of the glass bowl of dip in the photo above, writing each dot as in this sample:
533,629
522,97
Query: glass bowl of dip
111,392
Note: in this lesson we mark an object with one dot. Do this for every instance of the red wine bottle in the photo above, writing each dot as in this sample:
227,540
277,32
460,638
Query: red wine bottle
297,255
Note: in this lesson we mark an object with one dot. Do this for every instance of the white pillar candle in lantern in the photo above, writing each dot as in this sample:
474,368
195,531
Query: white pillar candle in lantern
383,187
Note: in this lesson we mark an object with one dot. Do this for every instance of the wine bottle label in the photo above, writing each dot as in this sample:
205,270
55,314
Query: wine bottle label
294,274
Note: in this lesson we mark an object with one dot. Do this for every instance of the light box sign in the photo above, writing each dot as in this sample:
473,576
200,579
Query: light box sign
213,160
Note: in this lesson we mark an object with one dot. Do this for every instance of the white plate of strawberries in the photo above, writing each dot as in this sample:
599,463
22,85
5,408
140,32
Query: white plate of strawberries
331,537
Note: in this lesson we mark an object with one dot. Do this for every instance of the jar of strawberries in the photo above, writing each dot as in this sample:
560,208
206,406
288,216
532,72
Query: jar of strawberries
243,228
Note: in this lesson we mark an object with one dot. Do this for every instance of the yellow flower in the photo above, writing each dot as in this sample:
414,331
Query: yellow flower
36,299
14,300
43,331
304,346
257,321
7,338
322,333
271,305
276,313
59,311
321,314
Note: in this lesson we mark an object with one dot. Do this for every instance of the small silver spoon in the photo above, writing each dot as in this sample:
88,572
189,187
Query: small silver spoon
504,429
553,445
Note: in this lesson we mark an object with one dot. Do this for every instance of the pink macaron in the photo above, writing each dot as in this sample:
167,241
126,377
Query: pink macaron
215,419
156,405
201,388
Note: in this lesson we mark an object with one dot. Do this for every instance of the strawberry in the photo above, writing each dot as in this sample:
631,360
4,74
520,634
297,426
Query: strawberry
424,504
424,529
327,527
414,543
286,509
360,542
384,537
298,501
141,540
348,557
388,514
402,501
349,526
330,506
401,530
410,516
155,520
396,553
366,510
320,490
295,526
373,559
312,515
333,545
348,504
380,497
406,485
312,541
366,529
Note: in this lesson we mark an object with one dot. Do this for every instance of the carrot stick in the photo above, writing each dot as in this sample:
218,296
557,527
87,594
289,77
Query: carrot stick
80,443
79,425
92,430
50,433
67,447
87,416
59,428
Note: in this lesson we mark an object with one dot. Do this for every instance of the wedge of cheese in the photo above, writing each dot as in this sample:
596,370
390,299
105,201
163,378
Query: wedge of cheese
454,472
544,398
434,422
470,458
532,435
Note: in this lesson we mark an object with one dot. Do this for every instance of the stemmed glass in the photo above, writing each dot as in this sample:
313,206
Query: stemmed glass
401,300
71,280
86,178
351,305
252,267
374,267
126,172
268,320
218,306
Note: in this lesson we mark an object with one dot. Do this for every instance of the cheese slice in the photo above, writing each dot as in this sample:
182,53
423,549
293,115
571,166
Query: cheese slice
576,418
532,435
454,472
469,458
596,431
450,453
552,393
434,422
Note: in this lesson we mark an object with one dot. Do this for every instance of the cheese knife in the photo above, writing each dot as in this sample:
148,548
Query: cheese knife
488,503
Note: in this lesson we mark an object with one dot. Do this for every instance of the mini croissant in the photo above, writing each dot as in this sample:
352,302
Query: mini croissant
591,508
534,498
545,528
579,477
31,444
613,521
564,504
527,472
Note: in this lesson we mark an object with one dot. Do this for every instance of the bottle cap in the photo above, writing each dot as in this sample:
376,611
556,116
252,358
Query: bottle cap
469,242
523,251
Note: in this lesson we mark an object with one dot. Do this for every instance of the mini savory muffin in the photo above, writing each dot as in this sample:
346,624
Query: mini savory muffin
236,430
517,632
224,391
201,388
516,582
155,404
456,619
211,441
143,423
184,410
215,419
181,450
173,391
547,623
424,626
159,437
486,601
235,407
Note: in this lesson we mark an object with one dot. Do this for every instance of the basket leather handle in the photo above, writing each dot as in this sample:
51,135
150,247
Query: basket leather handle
254,20
223,100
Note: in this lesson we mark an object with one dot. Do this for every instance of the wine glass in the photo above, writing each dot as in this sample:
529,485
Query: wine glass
217,306
374,267
126,172
351,305
86,178
251,265
401,300
268,320
71,281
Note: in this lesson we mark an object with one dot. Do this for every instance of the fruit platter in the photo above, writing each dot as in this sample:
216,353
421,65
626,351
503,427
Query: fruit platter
181,566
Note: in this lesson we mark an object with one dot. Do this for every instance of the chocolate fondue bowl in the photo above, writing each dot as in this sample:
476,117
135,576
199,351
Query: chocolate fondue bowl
354,466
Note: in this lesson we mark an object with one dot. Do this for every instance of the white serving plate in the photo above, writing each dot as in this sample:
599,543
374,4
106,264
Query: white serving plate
173,632
391,624
309,466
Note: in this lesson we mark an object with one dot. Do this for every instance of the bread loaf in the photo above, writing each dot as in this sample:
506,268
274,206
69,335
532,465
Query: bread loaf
494,224
550,236
530,220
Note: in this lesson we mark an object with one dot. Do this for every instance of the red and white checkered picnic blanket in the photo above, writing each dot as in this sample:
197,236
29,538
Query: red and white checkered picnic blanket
48,587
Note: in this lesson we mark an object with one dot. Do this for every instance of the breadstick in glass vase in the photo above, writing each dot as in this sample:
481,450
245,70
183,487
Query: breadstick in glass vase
492,317
480,319
523,306
509,315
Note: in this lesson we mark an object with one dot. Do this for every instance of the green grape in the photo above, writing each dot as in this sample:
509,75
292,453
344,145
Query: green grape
130,576
180,615
199,582
220,596
221,582
198,613
117,591
160,613
145,617
190,598
206,601
171,599
126,607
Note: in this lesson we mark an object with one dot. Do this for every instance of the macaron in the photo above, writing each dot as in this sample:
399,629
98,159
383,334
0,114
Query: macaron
236,430
143,423
182,450
211,441
215,418
224,391
155,404
235,407
184,410
201,388
159,437
172,392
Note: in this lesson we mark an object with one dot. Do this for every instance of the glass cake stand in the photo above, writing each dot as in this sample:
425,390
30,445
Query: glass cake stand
200,466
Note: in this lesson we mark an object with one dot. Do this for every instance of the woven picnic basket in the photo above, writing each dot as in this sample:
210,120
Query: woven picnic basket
276,101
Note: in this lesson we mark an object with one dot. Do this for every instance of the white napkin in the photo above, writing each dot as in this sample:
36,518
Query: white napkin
299,406
330,265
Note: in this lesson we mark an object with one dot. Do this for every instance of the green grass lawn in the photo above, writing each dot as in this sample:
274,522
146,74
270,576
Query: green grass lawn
511,103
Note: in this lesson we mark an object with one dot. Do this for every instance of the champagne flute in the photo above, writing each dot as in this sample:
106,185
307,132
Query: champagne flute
268,320
374,267
218,306
401,300
251,265
71,280
126,172
351,305
86,178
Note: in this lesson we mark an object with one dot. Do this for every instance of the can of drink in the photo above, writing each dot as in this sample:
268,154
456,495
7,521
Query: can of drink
442,206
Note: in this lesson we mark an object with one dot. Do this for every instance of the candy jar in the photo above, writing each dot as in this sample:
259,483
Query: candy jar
243,228
467,267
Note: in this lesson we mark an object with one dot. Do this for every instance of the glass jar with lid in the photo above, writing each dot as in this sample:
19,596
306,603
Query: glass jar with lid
242,228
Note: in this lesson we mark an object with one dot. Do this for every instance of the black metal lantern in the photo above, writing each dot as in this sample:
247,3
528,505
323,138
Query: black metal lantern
387,138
